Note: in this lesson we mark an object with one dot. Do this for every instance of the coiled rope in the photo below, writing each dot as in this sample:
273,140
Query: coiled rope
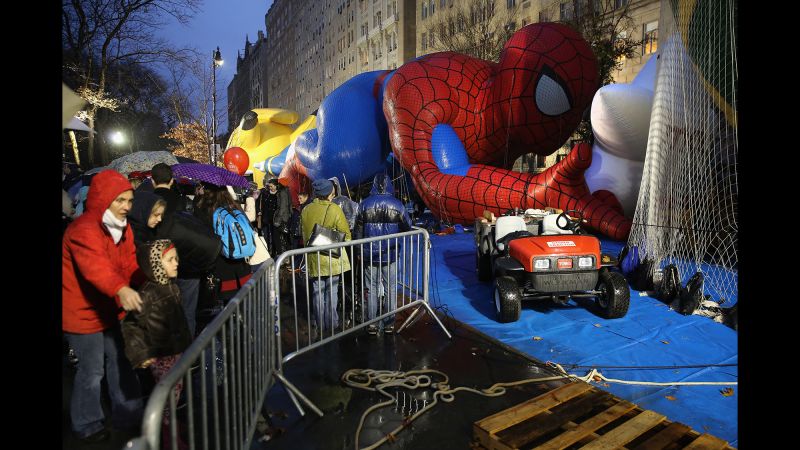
380,380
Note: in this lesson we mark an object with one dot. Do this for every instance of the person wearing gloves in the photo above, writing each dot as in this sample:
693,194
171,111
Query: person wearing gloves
98,268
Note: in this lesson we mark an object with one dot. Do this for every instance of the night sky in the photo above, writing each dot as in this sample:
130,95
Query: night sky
223,23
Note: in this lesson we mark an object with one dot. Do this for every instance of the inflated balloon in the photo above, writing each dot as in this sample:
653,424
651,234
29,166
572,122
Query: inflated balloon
620,123
236,160
263,133
457,124
349,141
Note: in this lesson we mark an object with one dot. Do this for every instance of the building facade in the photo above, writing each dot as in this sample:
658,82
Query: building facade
249,87
281,56
436,17
315,46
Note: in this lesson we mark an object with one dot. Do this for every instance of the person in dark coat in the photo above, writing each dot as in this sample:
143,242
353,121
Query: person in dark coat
276,210
164,185
232,273
381,214
156,336
349,207
146,213
197,246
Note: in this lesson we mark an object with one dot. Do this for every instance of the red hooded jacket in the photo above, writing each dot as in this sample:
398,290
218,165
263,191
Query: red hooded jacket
93,267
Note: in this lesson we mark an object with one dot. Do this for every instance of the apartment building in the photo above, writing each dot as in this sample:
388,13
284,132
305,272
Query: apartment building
438,17
315,46
248,89
281,55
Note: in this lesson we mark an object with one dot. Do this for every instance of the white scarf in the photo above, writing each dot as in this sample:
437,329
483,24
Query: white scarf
115,226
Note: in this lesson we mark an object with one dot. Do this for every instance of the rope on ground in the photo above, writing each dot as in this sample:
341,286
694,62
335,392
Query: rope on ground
595,375
380,380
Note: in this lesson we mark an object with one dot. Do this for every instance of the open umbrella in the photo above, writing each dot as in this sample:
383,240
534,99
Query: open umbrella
141,161
96,170
209,174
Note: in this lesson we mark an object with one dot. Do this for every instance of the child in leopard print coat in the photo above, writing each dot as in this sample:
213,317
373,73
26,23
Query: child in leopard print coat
156,336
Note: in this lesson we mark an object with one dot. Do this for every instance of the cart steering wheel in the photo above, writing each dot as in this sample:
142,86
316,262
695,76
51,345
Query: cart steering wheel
570,223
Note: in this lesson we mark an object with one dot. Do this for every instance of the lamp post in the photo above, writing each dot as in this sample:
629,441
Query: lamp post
217,61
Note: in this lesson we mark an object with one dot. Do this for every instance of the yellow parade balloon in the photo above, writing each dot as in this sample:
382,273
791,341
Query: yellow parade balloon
263,133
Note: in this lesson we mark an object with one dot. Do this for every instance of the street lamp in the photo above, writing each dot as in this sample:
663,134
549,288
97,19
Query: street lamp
216,62
117,138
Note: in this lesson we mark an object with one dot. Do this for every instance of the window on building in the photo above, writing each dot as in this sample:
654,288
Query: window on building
424,9
524,21
565,11
442,3
452,26
540,161
424,41
432,38
620,3
511,3
432,8
649,37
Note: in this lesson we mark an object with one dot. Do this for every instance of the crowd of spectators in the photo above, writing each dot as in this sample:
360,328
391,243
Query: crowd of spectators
143,272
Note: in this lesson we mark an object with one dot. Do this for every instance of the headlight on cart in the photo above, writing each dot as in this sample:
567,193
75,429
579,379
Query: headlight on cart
541,264
585,262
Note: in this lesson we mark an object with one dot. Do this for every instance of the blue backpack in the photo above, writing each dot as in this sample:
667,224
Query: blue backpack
236,233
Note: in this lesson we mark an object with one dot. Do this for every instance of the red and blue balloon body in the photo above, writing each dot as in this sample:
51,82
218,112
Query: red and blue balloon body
457,124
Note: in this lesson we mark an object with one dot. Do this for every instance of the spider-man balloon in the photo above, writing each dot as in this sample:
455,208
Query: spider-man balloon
457,124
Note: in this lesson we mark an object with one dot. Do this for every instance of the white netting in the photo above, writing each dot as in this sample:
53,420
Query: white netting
686,212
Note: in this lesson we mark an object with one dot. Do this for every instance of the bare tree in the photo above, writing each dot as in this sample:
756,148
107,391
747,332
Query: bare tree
478,28
97,34
608,28
189,104
605,24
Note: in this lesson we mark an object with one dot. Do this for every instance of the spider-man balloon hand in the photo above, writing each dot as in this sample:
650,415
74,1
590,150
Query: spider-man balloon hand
452,119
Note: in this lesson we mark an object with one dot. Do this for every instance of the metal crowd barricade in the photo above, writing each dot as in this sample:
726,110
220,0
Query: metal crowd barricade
408,277
228,370
226,374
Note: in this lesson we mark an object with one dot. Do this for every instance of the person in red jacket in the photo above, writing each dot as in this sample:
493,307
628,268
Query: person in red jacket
98,266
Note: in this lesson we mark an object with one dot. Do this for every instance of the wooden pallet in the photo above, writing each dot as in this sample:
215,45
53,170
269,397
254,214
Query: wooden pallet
576,415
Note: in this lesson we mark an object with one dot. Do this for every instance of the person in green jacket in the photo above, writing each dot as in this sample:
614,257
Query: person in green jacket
324,271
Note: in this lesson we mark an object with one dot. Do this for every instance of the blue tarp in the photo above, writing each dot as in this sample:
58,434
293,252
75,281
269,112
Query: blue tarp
649,335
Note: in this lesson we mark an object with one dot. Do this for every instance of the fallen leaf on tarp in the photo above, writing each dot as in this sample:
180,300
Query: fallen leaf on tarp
727,392
537,338
665,342
597,325
669,397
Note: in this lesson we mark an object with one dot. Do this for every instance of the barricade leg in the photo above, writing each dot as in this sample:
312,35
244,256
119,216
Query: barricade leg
293,389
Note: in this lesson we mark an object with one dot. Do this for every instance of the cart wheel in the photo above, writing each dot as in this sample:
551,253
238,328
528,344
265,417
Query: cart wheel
615,295
670,285
507,299
484,263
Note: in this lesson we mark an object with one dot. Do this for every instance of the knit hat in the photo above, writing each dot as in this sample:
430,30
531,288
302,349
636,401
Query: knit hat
322,187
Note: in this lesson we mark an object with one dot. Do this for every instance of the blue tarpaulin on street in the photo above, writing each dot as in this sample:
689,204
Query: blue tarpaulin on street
629,348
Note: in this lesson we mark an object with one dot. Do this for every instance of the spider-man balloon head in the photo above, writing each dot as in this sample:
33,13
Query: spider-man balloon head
546,79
